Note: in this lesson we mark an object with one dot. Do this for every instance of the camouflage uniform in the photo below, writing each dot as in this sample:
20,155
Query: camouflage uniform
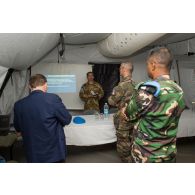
91,94
156,121
120,96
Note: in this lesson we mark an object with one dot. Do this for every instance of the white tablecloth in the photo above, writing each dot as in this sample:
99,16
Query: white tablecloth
97,132
93,132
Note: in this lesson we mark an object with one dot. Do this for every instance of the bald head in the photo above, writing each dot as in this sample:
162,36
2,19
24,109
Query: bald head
126,69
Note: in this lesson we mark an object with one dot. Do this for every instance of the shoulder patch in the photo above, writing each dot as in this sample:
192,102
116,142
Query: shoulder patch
153,87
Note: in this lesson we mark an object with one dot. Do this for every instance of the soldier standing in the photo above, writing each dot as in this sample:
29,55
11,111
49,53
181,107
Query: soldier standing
91,92
120,96
155,109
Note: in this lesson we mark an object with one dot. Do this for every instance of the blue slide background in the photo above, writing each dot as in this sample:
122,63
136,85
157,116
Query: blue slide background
61,83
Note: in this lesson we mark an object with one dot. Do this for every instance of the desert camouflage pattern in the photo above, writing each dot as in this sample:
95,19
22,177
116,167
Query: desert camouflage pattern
123,144
120,96
156,122
91,94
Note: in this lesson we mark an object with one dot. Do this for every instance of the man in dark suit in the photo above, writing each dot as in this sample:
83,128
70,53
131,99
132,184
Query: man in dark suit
40,117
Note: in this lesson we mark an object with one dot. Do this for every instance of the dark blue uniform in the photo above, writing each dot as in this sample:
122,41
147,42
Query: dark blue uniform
41,117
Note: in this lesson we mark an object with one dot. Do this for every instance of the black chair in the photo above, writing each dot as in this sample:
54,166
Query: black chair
4,124
7,138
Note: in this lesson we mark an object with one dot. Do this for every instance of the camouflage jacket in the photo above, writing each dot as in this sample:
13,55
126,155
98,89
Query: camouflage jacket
91,94
156,122
120,96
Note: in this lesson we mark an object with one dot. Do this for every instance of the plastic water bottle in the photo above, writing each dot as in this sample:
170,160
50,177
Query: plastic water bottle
2,160
106,110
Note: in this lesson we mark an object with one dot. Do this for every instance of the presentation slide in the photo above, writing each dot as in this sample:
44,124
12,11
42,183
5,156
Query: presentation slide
65,80
61,83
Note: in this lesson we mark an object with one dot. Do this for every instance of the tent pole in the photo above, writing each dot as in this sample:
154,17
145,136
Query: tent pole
7,77
178,72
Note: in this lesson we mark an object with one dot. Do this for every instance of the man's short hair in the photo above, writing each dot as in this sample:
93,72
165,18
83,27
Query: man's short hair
37,80
89,73
162,55
128,65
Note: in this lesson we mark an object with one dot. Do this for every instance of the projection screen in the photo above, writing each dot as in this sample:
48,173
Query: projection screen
65,80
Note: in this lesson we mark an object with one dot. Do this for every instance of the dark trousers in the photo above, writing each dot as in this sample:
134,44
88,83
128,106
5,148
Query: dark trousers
61,161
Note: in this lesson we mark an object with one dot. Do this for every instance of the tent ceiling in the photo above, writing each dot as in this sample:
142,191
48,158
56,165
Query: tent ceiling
84,38
167,39
20,50
174,37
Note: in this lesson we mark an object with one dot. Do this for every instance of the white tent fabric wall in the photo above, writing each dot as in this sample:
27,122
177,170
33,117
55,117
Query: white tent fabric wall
16,88
186,66
187,80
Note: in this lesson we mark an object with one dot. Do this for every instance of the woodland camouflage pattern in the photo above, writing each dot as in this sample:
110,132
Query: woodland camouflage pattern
156,122
91,94
120,96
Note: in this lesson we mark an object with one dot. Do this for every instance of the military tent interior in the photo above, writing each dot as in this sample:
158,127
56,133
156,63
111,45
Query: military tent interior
74,54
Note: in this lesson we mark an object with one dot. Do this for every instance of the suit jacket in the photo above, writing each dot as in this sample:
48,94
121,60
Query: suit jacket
40,117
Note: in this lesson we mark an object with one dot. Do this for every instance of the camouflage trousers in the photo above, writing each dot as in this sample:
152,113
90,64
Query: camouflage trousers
173,160
139,156
124,145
